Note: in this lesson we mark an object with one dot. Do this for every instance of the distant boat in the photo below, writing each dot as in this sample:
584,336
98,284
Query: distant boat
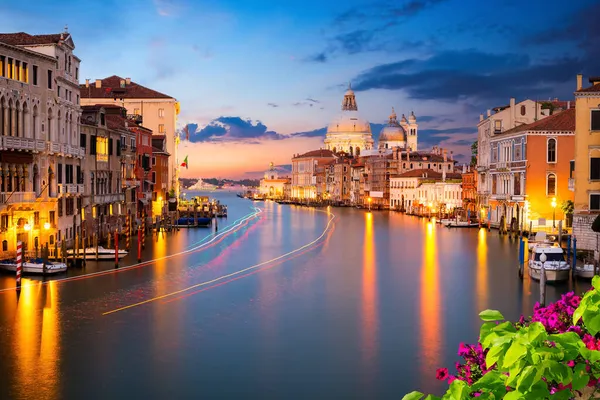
585,271
33,266
103,253
188,222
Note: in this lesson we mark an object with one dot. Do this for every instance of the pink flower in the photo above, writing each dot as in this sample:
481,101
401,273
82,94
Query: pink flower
571,364
451,378
441,374
463,350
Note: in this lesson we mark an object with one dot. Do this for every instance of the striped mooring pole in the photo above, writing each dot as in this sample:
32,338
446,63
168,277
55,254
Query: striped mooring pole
143,230
127,237
19,264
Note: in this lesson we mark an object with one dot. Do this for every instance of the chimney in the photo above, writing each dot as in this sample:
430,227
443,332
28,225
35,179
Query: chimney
489,113
128,81
480,117
579,81
445,155
512,102
87,83
569,105
98,83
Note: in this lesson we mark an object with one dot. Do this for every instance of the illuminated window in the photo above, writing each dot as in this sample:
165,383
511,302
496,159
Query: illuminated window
136,111
161,113
101,148
161,128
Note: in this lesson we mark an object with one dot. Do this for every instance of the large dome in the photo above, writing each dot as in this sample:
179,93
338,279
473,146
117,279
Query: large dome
393,134
349,122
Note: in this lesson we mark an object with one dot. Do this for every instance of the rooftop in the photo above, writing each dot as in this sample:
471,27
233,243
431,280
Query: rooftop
563,121
111,87
316,153
25,39
430,174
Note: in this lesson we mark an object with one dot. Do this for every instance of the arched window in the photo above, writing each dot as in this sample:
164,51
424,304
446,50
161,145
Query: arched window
551,150
551,185
523,110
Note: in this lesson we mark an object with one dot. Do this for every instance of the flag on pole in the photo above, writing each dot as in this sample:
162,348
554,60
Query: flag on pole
185,163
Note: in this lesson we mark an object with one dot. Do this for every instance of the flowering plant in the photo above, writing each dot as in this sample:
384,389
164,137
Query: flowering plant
554,354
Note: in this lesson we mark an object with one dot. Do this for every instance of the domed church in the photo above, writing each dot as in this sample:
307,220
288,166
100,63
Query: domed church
348,132
402,135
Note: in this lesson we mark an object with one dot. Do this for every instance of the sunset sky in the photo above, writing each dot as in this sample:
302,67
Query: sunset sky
258,80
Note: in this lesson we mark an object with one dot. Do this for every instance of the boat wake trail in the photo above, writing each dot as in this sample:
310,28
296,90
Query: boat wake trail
236,275
213,239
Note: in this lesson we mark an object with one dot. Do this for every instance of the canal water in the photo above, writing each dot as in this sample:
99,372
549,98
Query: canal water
280,302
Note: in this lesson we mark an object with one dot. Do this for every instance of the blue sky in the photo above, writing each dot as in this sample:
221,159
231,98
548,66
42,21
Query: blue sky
261,71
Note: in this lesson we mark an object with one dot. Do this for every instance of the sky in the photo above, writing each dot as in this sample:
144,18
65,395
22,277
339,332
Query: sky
259,80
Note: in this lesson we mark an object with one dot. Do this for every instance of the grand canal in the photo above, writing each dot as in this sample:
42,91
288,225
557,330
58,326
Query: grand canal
282,302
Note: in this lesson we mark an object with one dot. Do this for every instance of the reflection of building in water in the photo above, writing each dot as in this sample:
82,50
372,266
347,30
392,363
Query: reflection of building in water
271,185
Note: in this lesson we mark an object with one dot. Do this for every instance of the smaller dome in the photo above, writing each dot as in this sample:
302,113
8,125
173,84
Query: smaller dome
403,120
392,132
412,117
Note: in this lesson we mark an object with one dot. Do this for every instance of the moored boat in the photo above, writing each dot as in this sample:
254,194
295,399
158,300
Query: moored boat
540,238
555,266
34,266
585,271
103,253
188,222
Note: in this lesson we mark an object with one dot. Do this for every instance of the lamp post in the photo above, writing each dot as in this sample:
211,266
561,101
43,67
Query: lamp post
369,201
553,213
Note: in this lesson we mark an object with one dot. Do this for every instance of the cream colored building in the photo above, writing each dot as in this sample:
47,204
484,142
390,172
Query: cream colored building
426,188
586,177
158,111
40,152
304,178
349,132
271,185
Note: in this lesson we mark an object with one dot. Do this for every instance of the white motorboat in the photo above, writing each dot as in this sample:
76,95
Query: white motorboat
462,224
556,267
585,271
540,238
103,254
34,266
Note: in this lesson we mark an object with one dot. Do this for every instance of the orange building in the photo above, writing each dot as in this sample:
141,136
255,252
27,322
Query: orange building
469,189
160,174
530,170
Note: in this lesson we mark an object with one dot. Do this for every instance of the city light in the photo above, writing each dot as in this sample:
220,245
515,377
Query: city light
553,212
46,225
27,227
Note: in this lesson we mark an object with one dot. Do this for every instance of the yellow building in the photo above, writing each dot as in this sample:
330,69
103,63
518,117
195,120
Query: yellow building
586,177
271,185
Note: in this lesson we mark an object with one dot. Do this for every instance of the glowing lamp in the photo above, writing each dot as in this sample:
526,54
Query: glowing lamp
27,227
46,225
543,257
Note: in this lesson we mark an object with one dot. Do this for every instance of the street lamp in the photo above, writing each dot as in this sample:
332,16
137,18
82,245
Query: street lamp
27,227
369,200
553,213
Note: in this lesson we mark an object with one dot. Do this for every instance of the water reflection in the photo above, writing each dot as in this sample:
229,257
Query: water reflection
36,343
482,270
430,317
369,300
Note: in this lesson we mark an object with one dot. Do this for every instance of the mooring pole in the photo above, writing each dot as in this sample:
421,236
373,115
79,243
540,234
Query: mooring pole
19,264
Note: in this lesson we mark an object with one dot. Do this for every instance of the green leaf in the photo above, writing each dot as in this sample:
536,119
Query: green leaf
558,372
413,396
514,353
591,319
514,395
528,377
592,355
514,372
547,353
578,313
562,395
596,282
491,315
494,355
459,389
580,377
432,397
536,332
539,391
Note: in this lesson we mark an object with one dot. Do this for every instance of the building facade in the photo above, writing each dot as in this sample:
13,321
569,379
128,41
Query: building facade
160,175
304,182
271,185
40,154
425,190
469,189
529,172
158,111
586,177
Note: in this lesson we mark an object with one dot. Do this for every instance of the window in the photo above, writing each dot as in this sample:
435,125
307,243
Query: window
92,145
58,91
551,150
595,120
571,168
595,202
60,174
79,175
102,119
118,147
551,185
153,177
136,111
517,152
69,174
161,113
101,148
132,144
76,73
161,128
10,68
34,74
36,218
82,140
110,147
49,79
494,183
25,76
60,207
594,168
153,161
51,218
497,126
517,186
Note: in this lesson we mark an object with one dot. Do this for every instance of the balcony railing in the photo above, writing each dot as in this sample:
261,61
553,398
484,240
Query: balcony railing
135,118
108,198
21,143
62,188
72,189
572,184
17,197
53,148
80,188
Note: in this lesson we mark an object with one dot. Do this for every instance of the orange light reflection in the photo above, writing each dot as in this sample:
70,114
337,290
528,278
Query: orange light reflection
431,334
369,301
482,270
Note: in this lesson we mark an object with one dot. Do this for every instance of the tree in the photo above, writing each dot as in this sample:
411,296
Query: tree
474,153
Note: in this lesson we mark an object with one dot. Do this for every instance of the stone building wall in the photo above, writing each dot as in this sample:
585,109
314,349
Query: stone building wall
582,230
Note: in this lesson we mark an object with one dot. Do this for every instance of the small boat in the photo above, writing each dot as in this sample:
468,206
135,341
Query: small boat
540,238
188,222
457,223
34,266
556,267
585,271
103,254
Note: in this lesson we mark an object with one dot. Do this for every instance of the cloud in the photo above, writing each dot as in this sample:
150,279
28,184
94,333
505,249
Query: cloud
317,58
469,74
273,105
232,129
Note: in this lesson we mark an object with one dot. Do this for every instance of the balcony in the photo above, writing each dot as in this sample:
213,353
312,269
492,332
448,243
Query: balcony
53,148
17,197
80,188
572,184
62,188
500,196
21,143
71,189
108,198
